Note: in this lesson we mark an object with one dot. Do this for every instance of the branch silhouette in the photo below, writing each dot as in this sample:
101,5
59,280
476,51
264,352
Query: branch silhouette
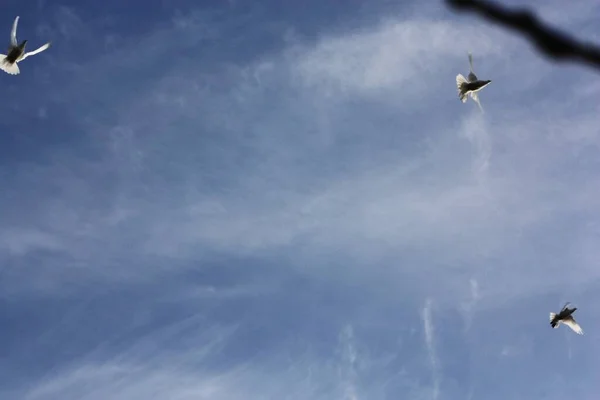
548,40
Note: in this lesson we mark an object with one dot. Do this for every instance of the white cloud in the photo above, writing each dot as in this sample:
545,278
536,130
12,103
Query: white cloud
348,364
405,54
297,371
277,173
18,242
349,161
430,342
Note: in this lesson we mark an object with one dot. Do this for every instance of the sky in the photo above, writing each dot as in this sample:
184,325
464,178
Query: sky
287,200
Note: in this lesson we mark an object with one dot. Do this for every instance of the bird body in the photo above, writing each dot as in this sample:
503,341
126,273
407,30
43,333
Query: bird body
565,316
471,85
16,52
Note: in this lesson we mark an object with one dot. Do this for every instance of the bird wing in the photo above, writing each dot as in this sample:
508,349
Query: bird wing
475,98
9,68
565,306
32,53
472,77
570,322
13,32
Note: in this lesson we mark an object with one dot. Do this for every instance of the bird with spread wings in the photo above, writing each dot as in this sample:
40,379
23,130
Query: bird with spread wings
565,316
16,52
471,85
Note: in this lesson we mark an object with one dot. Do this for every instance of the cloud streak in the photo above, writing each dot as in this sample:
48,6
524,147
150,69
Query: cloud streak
430,342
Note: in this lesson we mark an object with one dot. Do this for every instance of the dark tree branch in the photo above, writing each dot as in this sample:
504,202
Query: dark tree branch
549,41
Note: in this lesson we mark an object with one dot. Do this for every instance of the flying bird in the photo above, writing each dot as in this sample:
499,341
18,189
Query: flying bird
16,52
565,317
471,85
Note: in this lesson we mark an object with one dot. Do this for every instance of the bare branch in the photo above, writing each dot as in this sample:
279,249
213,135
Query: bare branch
549,41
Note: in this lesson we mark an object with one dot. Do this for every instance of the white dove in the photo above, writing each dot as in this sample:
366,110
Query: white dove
565,317
471,85
16,52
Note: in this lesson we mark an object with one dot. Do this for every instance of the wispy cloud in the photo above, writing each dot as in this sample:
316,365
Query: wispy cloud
428,329
19,242
231,192
349,361
268,223
469,305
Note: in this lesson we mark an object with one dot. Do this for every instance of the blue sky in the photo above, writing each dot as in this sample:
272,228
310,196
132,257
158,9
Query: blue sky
226,200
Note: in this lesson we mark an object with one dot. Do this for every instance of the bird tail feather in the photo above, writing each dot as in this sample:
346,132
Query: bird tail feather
8,67
461,85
